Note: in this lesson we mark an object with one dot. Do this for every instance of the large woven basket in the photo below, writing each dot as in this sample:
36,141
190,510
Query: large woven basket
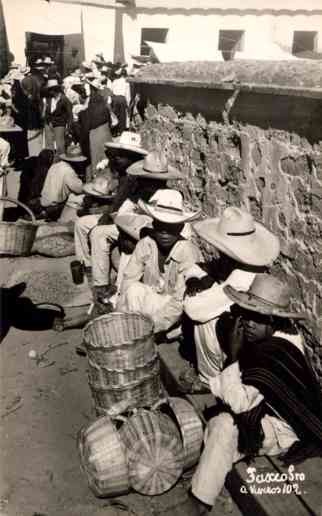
191,429
17,238
106,377
103,458
155,452
142,393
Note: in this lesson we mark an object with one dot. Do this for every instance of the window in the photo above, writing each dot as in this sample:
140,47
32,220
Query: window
156,35
231,40
303,41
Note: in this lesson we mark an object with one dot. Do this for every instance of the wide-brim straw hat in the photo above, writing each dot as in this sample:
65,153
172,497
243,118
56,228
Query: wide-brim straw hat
128,141
99,187
132,224
155,166
167,206
267,295
239,236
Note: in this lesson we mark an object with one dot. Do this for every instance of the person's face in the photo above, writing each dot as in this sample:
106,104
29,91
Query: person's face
166,235
257,327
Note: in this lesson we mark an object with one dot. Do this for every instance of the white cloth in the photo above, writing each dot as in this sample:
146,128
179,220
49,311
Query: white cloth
221,437
61,180
121,87
205,308
4,153
148,291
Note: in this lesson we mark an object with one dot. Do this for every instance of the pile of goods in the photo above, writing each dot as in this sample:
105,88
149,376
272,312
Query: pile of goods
147,450
142,441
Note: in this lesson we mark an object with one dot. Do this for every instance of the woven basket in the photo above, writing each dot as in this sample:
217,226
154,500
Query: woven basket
106,377
154,450
17,238
191,429
143,393
117,329
103,458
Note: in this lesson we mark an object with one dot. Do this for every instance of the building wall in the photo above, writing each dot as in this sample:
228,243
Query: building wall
23,16
191,31
276,174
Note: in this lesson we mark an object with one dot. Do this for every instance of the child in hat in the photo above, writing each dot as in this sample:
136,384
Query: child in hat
245,247
153,282
272,401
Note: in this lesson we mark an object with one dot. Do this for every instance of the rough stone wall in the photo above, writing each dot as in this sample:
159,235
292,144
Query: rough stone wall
275,174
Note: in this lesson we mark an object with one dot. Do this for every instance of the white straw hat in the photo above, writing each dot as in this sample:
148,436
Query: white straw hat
131,224
128,141
167,206
156,166
238,235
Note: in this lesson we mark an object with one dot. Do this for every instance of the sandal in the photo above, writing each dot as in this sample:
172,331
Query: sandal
190,383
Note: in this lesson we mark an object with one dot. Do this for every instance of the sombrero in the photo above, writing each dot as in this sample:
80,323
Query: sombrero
267,295
167,206
128,141
239,236
99,187
155,166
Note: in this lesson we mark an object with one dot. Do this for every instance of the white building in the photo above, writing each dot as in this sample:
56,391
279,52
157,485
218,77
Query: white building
178,29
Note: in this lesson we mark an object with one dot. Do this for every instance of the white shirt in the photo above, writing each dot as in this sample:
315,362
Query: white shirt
61,180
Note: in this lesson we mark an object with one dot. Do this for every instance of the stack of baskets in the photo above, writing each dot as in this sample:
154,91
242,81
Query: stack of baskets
17,238
123,361
148,452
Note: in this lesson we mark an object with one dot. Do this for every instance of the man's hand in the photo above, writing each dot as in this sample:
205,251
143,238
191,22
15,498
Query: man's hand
236,338
196,285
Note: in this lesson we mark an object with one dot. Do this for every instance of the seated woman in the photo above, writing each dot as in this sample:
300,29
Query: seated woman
269,400
154,280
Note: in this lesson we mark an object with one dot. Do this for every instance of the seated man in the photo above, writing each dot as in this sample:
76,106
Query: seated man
60,182
121,155
130,228
245,247
145,178
154,280
271,401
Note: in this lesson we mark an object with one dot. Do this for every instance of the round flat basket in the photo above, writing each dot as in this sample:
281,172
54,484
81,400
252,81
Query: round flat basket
191,429
155,452
17,238
103,458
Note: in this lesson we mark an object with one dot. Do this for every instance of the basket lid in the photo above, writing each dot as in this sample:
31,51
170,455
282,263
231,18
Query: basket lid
155,452
191,429
103,457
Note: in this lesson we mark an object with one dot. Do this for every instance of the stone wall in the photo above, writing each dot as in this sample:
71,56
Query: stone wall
275,174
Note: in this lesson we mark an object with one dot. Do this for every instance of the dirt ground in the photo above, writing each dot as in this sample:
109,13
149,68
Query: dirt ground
42,407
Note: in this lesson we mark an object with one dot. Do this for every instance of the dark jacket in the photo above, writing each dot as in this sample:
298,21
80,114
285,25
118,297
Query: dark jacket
62,115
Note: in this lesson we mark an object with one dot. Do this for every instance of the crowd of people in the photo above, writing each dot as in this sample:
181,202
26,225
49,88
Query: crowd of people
138,252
